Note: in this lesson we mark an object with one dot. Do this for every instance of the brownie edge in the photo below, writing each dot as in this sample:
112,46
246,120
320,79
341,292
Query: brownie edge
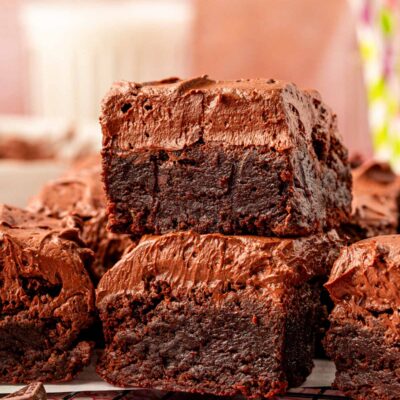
236,157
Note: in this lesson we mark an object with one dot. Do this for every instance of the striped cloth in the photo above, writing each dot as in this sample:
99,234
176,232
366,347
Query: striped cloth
379,37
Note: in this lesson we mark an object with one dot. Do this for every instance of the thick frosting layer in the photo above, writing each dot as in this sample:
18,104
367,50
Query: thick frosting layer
174,113
186,260
367,275
375,191
80,194
42,274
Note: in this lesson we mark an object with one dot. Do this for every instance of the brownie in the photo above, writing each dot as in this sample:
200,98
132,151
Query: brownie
236,157
20,148
46,299
80,194
376,190
214,314
364,337
34,391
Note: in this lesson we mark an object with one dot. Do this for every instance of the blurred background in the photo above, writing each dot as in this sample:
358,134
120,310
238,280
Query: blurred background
59,57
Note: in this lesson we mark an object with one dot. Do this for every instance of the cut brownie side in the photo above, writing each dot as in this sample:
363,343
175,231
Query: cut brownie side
46,299
364,337
244,157
376,190
213,314
80,194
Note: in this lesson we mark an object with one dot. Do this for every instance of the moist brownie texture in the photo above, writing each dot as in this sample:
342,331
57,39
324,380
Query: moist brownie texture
364,338
80,194
240,157
46,299
213,314
376,190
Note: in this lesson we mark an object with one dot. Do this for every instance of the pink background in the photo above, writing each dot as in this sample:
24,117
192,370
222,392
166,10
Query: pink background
309,42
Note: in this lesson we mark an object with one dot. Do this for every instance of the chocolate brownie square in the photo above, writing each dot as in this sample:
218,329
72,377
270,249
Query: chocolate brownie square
364,337
80,194
46,299
375,207
237,157
214,314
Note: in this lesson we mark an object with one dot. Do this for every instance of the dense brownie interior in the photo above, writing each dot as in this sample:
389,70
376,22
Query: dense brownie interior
215,188
366,354
244,345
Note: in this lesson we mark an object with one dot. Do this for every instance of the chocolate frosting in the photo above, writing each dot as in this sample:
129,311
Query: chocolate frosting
80,194
375,191
174,113
367,275
186,260
42,273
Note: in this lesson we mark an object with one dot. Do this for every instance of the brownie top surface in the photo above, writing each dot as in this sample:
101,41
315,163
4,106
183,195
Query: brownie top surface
367,274
172,114
79,192
42,267
29,226
375,191
186,260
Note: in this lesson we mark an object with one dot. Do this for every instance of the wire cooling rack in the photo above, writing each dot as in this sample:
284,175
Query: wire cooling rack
321,393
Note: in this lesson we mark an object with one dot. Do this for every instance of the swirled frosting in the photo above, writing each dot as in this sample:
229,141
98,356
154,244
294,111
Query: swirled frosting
367,274
260,112
43,275
186,260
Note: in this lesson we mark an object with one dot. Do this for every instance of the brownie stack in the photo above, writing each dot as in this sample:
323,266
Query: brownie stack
237,186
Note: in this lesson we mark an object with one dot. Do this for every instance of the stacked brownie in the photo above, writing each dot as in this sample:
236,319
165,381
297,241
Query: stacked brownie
237,186
245,157
79,195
